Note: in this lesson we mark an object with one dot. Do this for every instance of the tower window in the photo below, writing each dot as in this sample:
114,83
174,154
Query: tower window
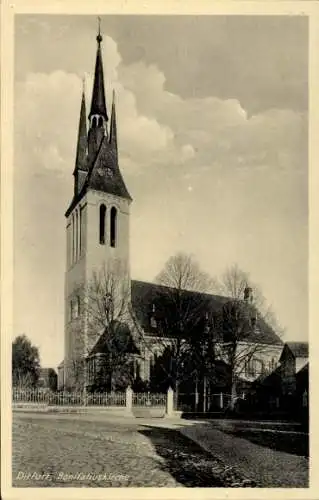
94,122
76,235
80,235
100,121
113,228
73,239
78,306
102,224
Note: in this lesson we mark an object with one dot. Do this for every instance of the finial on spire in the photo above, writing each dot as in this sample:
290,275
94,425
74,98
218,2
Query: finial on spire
99,37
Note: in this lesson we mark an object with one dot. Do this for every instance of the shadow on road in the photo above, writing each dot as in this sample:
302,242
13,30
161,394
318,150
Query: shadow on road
183,459
294,443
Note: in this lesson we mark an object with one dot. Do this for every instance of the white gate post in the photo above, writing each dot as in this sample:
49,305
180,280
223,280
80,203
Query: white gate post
170,402
128,399
221,402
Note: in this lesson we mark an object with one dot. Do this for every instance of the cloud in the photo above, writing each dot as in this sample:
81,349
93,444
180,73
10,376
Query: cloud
153,120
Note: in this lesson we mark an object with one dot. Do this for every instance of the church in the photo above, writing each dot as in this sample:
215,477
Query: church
98,238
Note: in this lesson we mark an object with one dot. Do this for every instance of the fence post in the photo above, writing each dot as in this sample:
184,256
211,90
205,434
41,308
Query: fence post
128,399
221,402
84,400
170,402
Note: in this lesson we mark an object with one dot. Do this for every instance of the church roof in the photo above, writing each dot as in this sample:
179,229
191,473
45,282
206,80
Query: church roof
299,349
105,174
123,338
99,178
146,295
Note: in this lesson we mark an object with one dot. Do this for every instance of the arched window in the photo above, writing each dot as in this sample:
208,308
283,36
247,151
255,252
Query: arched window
71,310
68,231
80,231
102,224
113,227
72,258
94,122
254,367
78,306
76,235
100,121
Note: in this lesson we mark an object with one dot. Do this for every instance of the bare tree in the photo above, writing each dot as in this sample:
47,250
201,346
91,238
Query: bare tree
179,311
243,321
233,282
182,272
78,371
107,310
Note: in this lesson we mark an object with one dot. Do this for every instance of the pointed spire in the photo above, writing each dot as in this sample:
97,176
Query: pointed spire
98,106
80,162
113,130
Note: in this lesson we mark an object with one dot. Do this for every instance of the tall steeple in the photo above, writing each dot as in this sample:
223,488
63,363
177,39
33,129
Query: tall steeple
81,149
98,106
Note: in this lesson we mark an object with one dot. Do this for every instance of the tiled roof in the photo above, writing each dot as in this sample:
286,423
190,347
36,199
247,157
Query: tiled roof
299,349
145,296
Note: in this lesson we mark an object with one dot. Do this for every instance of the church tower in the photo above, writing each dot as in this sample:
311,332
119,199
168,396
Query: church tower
97,219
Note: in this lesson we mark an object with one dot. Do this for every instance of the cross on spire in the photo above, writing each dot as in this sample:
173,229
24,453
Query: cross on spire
99,37
98,105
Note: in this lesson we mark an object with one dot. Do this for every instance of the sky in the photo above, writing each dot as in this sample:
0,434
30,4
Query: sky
212,132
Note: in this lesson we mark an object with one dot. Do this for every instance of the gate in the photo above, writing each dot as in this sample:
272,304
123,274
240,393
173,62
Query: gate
149,405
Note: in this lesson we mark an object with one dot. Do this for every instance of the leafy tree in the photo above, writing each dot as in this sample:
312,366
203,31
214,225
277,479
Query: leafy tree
25,363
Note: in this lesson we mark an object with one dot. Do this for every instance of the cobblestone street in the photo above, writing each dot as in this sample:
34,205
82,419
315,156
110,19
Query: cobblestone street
69,452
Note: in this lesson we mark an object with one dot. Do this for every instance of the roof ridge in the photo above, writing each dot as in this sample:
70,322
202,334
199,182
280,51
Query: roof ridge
182,289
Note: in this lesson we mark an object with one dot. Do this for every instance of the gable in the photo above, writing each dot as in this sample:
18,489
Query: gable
105,174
